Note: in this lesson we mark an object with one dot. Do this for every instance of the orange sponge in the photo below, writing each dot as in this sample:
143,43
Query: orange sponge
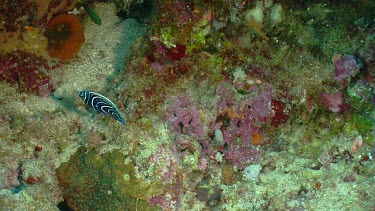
65,37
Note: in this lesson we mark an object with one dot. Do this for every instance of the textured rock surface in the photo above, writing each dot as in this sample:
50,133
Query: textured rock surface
90,181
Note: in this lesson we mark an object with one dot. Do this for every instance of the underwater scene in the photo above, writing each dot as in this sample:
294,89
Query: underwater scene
187,105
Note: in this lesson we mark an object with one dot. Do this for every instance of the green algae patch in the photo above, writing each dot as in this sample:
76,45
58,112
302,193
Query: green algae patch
18,122
360,124
93,181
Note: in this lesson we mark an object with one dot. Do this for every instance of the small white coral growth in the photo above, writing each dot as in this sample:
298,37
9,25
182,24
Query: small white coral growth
255,14
276,14
239,75
252,172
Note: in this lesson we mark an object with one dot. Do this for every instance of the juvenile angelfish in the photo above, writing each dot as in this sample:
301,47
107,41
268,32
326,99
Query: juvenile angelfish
101,104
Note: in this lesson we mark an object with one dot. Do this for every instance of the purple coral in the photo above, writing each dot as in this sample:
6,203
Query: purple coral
261,103
345,67
332,102
184,117
239,156
240,119
247,115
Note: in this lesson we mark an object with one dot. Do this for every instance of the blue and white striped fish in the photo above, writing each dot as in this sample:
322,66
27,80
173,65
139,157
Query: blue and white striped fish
101,104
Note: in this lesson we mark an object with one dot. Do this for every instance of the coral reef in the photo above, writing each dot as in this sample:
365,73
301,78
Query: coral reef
185,118
93,181
230,105
21,20
27,72
16,11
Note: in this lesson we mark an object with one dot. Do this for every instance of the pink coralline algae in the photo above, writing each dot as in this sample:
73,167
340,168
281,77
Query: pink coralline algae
169,173
240,119
261,103
246,116
27,72
190,145
332,102
184,117
345,66
240,156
